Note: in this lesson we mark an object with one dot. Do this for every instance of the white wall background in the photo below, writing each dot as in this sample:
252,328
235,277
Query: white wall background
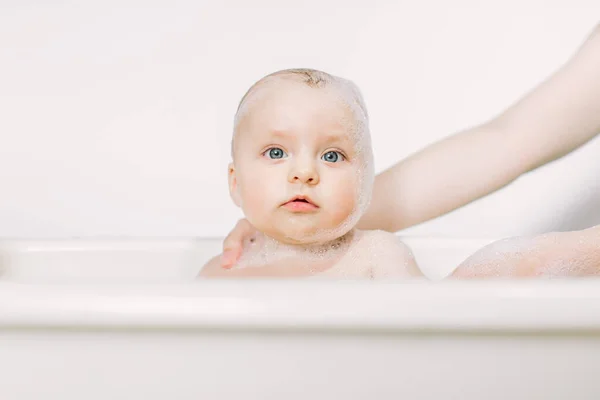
115,116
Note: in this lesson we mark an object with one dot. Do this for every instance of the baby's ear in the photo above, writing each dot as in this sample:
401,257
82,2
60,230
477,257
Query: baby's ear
233,186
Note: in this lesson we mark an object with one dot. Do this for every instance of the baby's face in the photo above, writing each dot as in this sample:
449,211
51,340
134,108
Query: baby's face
299,165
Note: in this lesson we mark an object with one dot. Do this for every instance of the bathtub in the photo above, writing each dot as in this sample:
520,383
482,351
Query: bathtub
125,319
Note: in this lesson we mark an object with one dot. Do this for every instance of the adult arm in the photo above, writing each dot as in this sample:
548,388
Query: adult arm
555,118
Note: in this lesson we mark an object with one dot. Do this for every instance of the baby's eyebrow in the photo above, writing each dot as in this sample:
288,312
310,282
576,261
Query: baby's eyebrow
326,138
336,138
281,134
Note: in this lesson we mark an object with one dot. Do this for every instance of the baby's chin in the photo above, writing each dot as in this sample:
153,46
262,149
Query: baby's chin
307,229
307,236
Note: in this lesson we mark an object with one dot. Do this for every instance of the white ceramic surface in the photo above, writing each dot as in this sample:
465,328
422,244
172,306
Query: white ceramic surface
124,319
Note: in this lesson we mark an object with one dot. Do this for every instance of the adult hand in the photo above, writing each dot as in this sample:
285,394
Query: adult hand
234,242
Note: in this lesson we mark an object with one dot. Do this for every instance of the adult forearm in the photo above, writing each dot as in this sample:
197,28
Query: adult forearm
552,120
444,176
563,112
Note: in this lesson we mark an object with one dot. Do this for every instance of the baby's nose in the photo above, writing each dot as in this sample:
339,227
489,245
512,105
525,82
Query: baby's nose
306,175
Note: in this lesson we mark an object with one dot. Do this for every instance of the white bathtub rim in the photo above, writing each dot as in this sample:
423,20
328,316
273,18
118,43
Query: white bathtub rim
492,306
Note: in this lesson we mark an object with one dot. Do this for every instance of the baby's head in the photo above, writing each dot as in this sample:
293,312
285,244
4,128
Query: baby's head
302,168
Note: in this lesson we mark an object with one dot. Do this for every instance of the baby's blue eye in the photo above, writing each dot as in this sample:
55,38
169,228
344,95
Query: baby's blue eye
332,156
276,153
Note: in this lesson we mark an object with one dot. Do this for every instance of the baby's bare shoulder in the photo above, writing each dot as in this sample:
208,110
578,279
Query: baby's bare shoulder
383,241
389,255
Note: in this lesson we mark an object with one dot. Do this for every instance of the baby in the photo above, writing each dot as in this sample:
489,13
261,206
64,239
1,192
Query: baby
302,173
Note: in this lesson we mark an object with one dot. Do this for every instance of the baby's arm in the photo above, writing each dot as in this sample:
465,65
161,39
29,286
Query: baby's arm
389,256
558,254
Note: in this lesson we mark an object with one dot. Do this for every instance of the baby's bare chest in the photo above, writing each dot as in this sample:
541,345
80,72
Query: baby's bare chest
284,266
347,263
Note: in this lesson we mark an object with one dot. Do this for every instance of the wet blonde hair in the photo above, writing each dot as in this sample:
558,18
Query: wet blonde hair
315,79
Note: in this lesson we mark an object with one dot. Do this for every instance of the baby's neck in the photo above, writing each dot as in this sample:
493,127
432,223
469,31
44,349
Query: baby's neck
319,249
268,250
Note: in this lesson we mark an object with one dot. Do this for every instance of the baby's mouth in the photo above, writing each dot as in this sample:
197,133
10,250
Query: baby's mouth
300,204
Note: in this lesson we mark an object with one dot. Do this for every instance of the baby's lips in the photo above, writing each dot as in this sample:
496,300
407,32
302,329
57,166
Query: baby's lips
306,198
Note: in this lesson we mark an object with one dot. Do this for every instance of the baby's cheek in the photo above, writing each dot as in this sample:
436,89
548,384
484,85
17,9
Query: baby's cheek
344,199
256,199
